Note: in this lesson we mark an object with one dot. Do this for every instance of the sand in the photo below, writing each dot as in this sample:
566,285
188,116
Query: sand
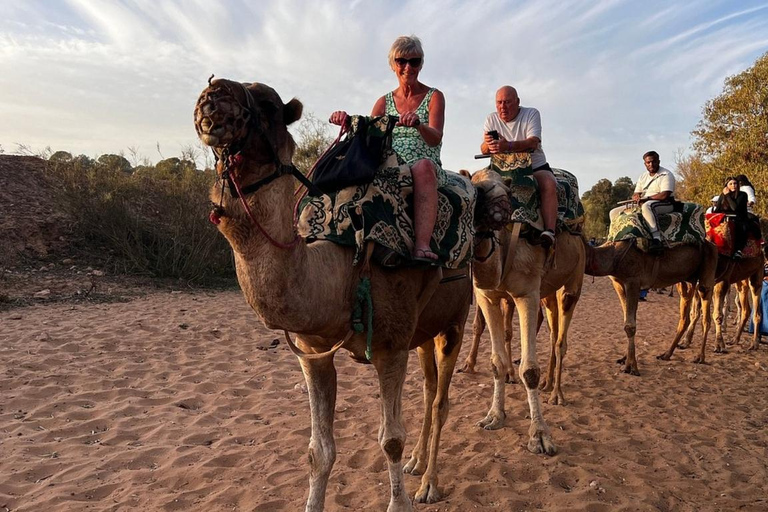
184,401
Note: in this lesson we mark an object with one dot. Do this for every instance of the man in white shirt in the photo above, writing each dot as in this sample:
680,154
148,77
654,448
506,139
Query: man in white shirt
519,130
654,192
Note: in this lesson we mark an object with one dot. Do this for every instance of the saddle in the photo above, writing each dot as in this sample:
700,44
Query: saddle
677,228
526,200
382,212
721,231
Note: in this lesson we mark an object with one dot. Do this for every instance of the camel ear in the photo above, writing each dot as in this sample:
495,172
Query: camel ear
292,111
465,173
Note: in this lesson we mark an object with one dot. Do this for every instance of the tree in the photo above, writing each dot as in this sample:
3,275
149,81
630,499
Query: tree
732,138
312,141
115,163
598,202
60,156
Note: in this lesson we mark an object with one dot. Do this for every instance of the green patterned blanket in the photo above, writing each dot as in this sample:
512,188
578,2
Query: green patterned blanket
525,198
382,212
686,227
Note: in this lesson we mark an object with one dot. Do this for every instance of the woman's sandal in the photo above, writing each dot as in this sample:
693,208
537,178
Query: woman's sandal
421,256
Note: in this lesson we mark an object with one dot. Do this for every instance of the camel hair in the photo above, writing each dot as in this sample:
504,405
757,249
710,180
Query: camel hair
310,290
747,275
520,271
631,270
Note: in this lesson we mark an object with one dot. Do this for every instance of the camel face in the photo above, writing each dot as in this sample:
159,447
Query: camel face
222,113
494,209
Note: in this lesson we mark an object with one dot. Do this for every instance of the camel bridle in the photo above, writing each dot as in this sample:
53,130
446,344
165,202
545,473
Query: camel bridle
241,120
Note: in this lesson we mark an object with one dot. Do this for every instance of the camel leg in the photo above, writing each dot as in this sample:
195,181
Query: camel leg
755,287
550,306
687,291
447,347
720,293
508,310
478,326
418,463
566,303
499,362
705,298
539,437
391,368
320,375
628,296
695,315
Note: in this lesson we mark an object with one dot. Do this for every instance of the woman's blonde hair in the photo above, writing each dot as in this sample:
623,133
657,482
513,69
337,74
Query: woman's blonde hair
405,45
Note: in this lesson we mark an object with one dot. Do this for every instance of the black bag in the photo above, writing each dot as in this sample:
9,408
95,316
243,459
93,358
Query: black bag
356,158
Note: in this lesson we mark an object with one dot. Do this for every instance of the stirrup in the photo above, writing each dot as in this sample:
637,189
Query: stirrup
547,239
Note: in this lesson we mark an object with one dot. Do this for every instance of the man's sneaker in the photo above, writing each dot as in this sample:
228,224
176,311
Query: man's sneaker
737,255
547,239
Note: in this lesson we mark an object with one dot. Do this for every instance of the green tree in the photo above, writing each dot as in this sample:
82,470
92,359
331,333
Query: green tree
732,138
61,156
116,163
312,140
598,202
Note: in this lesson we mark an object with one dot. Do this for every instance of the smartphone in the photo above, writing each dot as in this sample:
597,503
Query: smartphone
494,134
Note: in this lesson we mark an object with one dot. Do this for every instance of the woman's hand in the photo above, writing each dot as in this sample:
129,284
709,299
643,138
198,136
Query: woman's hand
339,118
409,119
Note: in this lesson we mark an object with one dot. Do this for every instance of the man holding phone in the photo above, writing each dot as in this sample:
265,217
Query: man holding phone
516,129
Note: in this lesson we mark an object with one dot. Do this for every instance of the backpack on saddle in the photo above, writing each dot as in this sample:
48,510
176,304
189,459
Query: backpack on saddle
380,210
525,200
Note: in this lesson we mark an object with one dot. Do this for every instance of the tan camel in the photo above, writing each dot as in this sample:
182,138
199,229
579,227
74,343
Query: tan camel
310,289
747,275
520,271
631,270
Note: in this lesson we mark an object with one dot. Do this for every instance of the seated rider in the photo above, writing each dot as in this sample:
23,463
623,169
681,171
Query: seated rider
655,193
417,137
733,201
746,186
519,130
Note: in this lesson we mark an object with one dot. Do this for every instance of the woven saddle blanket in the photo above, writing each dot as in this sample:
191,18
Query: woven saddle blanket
686,227
382,212
525,198
721,231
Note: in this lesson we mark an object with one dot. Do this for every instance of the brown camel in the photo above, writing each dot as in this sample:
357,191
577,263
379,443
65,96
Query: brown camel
310,289
631,270
522,272
747,275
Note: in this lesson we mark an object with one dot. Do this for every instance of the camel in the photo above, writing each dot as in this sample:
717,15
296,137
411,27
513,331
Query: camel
522,272
630,270
747,275
310,289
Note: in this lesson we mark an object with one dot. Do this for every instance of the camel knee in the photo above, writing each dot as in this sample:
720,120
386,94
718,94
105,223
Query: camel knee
321,459
499,367
531,378
393,448
630,330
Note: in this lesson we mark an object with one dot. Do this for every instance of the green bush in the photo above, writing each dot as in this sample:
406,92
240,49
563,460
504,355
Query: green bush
153,222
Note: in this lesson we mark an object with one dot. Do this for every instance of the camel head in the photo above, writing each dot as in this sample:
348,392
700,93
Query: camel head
247,118
494,209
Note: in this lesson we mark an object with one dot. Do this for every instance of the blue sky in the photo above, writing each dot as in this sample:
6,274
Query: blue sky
611,78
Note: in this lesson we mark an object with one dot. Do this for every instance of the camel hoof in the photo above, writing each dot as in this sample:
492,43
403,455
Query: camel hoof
510,378
632,371
754,346
541,443
428,493
492,421
721,350
683,346
664,357
621,360
413,467
556,399
699,360
467,368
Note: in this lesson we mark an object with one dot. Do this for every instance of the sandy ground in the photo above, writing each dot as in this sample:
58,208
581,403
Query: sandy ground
184,401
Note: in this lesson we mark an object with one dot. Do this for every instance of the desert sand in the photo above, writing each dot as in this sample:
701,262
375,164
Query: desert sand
184,401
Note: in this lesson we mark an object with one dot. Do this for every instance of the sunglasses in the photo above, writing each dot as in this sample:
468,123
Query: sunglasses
415,62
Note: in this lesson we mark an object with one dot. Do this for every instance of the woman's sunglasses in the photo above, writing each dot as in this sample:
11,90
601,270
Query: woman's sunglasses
415,62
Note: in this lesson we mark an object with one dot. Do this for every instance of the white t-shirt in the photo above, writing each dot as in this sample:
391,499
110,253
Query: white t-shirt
526,124
662,181
750,197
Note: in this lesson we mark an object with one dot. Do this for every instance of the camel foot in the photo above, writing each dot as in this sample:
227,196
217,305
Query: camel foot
631,370
492,421
428,493
556,398
753,346
683,346
699,360
510,377
621,360
401,505
415,466
666,356
467,368
541,443
546,386
721,350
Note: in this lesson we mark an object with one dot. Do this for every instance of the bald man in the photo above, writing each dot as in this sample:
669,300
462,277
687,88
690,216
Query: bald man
519,130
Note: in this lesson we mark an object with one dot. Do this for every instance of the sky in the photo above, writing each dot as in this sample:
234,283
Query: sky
612,79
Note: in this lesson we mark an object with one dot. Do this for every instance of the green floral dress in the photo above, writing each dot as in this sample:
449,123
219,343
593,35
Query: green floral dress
408,143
